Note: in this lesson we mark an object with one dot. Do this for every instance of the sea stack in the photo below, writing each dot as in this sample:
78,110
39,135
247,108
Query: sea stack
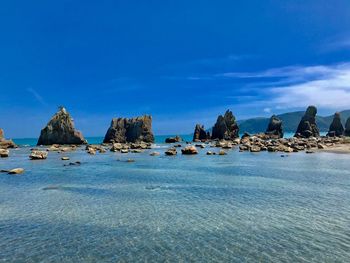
336,128
347,127
307,126
124,130
274,128
200,134
225,127
4,144
60,130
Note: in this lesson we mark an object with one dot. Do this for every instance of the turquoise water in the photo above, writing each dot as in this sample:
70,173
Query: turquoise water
242,207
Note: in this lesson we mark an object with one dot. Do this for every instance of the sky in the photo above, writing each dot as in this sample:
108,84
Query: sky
183,62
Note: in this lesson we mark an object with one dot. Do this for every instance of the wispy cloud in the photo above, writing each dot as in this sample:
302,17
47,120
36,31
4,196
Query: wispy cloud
37,96
335,44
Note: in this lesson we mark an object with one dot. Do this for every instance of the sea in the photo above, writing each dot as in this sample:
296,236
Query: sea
240,207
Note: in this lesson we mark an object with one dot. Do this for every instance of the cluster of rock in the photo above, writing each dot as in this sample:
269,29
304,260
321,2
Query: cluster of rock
123,130
60,130
173,139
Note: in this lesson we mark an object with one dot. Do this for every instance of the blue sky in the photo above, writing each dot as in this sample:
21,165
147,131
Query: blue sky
183,62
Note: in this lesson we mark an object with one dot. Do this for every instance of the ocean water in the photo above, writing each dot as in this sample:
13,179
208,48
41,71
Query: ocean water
241,207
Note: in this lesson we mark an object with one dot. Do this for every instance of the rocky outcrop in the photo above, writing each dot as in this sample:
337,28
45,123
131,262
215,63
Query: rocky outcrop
274,128
171,151
347,127
4,144
124,130
307,126
189,150
336,128
60,130
38,155
225,127
173,139
200,134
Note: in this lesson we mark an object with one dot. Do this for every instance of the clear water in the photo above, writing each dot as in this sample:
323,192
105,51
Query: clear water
242,207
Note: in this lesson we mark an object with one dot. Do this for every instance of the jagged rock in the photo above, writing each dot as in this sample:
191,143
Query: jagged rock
336,128
189,150
171,151
200,134
137,129
38,155
307,126
60,130
4,153
347,127
274,128
5,144
173,139
225,127
16,171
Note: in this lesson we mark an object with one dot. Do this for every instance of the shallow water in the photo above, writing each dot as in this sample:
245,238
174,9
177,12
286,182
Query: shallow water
241,207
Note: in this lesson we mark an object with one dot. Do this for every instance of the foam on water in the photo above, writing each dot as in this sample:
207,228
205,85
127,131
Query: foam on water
240,207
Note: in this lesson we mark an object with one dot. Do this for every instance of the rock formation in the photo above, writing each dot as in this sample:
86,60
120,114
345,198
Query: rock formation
4,144
347,127
274,128
200,134
336,128
124,130
60,130
225,127
307,126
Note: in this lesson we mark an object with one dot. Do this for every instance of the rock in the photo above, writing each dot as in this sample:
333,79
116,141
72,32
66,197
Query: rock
136,151
227,145
210,153
222,152
244,147
91,150
60,130
4,153
38,155
309,151
274,128
16,171
116,147
123,130
65,158
5,144
336,128
173,139
189,150
255,149
124,150
171,151
154,154
307,126
130,160
200,134
225,127
347,127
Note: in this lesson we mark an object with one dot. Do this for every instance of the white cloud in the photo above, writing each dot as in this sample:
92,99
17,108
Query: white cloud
267,110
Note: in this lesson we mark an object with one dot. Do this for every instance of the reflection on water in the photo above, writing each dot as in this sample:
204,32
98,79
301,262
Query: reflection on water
237,207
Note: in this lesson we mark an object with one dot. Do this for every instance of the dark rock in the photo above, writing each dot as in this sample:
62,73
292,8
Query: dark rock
200,134
307,126
336,128
173,139
225,127
347,127
16,171
124,130
274,128
60,130
4,153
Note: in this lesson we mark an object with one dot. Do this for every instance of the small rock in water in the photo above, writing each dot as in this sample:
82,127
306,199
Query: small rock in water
51,187
4,153
210,153
154,154
309,151
130,160
222,152
4,171
189,150
16,171
171,151
65,158
124,150
38,155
